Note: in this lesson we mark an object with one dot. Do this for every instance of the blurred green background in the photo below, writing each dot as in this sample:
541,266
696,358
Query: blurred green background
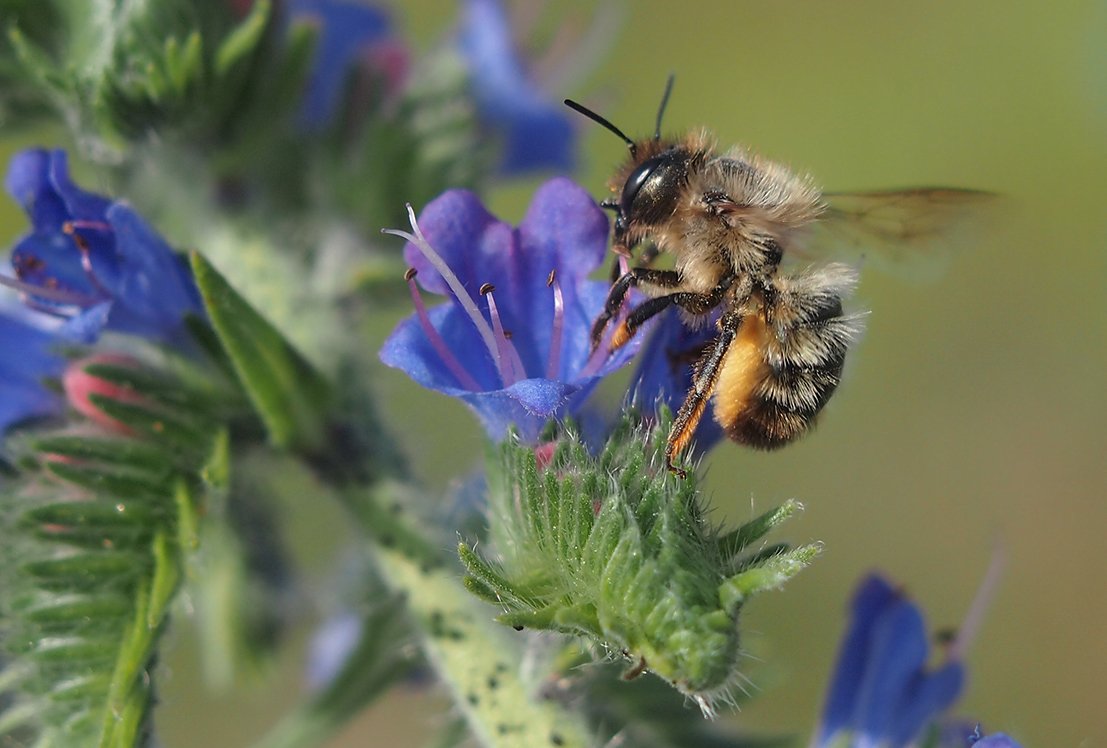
973,413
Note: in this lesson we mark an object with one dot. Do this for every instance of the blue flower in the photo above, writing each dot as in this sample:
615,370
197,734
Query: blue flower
29,361
881,694
93,261
513,341
535,131
349,33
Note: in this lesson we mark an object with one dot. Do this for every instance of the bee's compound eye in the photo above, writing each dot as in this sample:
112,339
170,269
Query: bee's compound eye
635,181
651,191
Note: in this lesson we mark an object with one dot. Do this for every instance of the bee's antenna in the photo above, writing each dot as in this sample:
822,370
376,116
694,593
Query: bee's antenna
661,109
597,118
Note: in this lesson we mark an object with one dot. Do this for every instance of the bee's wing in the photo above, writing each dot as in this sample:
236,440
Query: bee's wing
912,231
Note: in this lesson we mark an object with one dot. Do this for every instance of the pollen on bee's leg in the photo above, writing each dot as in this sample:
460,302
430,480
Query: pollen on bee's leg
464,378
621,336
554,364
681,433
512,370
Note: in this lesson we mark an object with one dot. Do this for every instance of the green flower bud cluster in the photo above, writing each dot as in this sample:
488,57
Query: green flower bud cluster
617,550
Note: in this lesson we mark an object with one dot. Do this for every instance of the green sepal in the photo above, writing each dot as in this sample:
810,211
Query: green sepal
129,453
740,538
485,577
288,394
770,574
87,569
94,523
124,485
170,391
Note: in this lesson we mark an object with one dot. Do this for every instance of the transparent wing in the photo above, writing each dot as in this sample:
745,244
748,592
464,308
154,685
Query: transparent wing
913,231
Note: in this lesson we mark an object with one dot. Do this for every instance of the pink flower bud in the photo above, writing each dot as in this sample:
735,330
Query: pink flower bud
79,386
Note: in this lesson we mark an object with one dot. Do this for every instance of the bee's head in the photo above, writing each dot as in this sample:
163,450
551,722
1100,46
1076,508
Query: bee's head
651,191
658,174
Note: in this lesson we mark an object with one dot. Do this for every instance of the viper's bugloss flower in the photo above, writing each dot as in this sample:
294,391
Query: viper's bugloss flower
882,695
513,341
26,361
91,260
349,34
534,129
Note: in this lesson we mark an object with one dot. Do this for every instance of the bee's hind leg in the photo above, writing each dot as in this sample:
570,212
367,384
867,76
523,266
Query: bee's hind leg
703,386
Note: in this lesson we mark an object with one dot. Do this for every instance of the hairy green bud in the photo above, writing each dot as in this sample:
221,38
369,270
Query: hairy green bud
616,549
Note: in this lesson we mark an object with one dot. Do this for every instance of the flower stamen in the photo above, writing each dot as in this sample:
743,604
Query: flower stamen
463,377
420,242
554,364
70,228
30,292
513,369
975,616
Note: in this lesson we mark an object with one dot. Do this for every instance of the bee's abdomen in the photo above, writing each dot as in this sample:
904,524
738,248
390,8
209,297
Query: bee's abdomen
780,373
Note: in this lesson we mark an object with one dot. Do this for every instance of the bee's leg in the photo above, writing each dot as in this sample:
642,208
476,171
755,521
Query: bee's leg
649,254
703,385
633,277
696,303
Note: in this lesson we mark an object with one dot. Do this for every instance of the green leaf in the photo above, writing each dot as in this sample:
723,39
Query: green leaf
288,394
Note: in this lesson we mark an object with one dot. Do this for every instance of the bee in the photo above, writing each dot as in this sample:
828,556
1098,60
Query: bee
730,221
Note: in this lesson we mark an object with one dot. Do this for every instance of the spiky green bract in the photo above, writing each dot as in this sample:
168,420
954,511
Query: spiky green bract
98,524
618,550
123,70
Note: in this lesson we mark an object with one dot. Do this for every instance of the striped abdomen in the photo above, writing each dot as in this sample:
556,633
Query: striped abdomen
786,360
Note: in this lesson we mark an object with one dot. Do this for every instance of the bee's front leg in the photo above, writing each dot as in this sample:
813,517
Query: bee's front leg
633,277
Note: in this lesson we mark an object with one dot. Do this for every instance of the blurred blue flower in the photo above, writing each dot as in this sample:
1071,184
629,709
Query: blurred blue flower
664,373
535,131
93,261
881,694
350,33
330,648
998,740
25,362
513,341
